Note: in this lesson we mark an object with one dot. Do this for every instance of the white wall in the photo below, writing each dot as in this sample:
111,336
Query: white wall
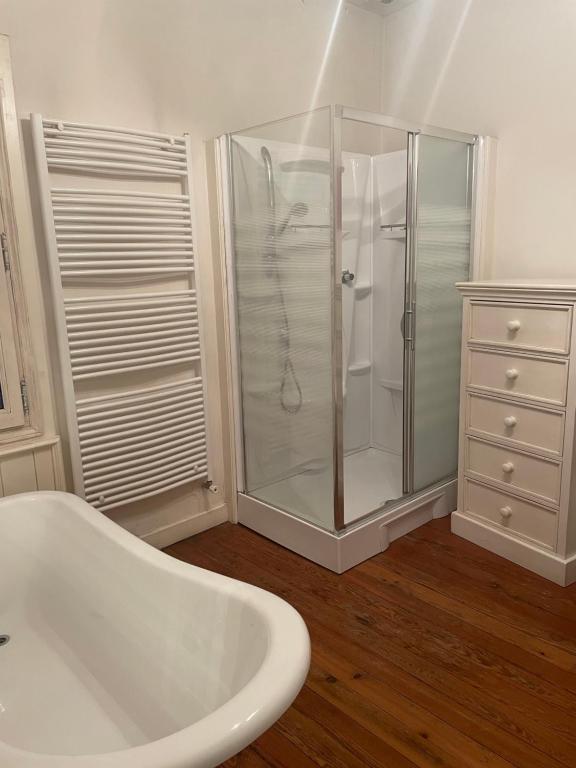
206,66
201,66
506,69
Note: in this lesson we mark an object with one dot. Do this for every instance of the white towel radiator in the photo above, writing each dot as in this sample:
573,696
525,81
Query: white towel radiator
118,215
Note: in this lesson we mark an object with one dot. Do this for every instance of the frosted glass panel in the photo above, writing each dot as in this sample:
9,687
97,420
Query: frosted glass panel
442,259
281,185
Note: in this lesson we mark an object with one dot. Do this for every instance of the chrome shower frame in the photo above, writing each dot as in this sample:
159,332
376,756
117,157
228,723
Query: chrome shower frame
296,533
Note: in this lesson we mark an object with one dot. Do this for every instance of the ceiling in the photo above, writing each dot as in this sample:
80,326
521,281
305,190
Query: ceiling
381,7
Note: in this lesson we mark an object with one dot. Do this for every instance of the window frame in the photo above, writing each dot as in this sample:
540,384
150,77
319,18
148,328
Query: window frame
20,420
12,412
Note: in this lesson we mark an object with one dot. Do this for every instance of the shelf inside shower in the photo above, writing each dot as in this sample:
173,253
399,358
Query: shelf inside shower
362,290
360,367
314,236
391,384
296,228
393,231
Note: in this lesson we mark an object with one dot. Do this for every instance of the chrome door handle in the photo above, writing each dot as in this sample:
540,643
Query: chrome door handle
407,325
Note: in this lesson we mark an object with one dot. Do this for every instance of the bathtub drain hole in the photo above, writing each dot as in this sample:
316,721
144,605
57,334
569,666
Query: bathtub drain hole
4,639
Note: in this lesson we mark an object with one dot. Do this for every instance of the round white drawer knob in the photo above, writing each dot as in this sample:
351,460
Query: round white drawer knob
510,421
506,512
508,467
513,325
512,374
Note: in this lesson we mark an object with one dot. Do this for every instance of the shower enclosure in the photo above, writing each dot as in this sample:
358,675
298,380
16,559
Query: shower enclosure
345,234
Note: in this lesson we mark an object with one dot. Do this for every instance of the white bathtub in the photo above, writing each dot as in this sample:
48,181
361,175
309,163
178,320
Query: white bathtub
123,657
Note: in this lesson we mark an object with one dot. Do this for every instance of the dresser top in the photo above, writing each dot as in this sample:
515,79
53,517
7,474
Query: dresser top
522,288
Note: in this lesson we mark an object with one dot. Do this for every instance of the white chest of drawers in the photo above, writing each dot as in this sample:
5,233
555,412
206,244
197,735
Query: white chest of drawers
516,494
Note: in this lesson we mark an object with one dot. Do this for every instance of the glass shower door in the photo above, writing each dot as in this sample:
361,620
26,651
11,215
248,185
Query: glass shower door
281,187
441,258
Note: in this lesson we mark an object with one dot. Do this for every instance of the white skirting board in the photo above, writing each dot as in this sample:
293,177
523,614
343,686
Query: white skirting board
534,558
182,529
339,552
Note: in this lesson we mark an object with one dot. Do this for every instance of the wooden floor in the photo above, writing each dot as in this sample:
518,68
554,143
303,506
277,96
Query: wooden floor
434,653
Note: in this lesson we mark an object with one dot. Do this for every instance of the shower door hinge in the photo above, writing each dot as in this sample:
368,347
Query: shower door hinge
4,247
24,396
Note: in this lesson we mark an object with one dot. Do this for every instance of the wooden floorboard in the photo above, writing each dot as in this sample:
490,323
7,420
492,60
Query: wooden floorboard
433,654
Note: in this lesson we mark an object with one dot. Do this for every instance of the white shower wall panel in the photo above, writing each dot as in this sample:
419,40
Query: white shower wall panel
357,299
389,257
357,416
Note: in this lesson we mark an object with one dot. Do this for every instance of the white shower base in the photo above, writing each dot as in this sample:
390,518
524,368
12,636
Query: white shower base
340,551
371,479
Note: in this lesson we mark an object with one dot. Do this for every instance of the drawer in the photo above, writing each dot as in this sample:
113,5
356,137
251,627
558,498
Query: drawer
534,378
522,472
524,426
508,512
523,326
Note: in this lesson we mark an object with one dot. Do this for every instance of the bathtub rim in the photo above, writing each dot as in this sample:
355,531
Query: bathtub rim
229,728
